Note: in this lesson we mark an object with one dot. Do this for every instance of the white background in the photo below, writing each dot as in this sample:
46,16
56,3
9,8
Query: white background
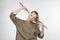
49,14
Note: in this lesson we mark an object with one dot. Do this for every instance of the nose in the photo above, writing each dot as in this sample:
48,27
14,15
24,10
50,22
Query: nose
31,17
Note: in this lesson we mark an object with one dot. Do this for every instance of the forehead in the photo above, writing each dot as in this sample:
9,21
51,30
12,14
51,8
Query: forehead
33,14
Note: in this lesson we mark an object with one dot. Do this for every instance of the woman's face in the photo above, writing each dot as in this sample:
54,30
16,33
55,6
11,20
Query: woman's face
32,16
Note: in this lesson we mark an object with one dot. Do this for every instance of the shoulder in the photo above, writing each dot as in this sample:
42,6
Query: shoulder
24,21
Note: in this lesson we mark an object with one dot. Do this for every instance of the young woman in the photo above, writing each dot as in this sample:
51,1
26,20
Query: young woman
27,29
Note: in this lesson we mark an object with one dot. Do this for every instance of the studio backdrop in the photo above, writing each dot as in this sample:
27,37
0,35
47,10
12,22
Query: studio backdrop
49,14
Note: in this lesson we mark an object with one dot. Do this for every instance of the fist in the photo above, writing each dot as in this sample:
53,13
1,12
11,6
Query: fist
23,8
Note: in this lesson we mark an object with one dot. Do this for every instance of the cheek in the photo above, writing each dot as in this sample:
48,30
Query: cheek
32,18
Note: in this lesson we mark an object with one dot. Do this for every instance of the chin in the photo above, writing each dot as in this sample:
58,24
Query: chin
30,20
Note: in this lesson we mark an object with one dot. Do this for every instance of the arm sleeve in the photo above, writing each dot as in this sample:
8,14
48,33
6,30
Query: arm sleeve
14,19
18,23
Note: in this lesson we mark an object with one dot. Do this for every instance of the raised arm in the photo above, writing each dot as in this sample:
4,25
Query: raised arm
19,9
14,13
17,21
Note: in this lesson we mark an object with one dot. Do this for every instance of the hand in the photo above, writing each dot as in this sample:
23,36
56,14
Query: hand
23,8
